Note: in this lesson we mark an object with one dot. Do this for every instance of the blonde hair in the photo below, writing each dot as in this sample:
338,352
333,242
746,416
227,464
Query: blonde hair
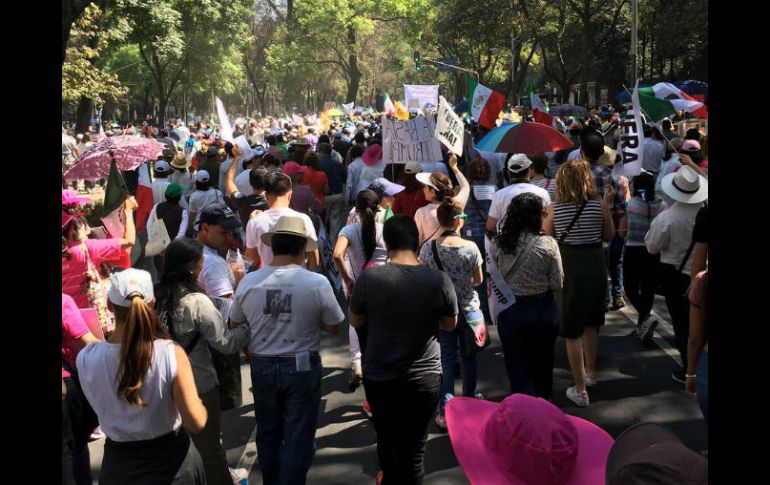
575,183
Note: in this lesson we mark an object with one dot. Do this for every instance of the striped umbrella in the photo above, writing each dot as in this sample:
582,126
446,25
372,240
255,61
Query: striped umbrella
524,137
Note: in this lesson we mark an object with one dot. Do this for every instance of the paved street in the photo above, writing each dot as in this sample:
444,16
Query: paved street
635,385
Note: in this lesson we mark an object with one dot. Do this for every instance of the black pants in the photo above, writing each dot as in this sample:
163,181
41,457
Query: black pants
674,288
78,421
640,278
401,411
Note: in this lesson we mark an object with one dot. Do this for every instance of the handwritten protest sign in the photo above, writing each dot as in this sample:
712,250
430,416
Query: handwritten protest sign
410,141
449,127
418,96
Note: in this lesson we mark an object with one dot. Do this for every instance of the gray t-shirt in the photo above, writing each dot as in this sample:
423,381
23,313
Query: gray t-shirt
403,305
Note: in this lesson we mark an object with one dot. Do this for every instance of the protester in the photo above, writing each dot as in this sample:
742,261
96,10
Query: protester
194,323
580,222
204,196
211,164
654,148
670,235
161,173
413,196
244,203
462,261
363,244
532,271
335,200
181,174
174,217
314,177
83,275
539,168
520,170
286,307
639,266
402,368
386,192
437,186
78,418
69,153
373,166
697,344
525,440
242,179
278,194
141,387
303,199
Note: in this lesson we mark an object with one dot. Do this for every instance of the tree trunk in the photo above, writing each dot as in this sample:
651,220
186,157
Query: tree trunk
353,73
83,117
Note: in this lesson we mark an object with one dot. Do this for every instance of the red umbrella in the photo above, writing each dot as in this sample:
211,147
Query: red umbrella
527,137
129,152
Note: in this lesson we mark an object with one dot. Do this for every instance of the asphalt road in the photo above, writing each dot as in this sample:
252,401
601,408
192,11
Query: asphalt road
635,385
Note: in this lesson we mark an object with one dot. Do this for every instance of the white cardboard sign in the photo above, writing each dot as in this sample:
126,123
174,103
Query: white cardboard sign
449,127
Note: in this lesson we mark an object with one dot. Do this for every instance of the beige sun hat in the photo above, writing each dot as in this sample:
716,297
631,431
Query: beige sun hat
293,226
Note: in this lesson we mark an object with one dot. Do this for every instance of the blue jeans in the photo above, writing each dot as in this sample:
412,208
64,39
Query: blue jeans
528,333
450,343
286,403
615,265
702,384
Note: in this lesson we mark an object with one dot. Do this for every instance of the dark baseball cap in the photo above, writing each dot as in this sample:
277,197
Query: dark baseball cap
649,453
220,215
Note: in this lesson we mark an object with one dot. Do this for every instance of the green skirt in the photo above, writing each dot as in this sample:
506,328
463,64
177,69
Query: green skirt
582,299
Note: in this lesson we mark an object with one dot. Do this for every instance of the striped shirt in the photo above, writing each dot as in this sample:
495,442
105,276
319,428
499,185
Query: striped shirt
587,228
640,215
549,184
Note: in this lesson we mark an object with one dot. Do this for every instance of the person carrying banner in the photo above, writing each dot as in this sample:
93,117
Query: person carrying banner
438,186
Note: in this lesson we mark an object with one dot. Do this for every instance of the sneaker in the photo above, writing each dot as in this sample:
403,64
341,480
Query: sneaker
678,375
479,396
647,329
440,421
367,409
618,302
96,434
580,400
356,377
590,380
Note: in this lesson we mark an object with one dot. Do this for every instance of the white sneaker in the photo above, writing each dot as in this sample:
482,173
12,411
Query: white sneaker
572,395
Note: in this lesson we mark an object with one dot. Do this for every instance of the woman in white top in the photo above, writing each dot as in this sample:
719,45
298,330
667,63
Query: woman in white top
204,196
141,387
437,187
363,244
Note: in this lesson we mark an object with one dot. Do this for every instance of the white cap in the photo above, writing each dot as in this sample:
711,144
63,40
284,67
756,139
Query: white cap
202,176
128,281
413,167
518,163
162,166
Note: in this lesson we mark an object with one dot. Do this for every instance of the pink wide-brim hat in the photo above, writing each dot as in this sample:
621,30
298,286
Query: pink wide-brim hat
372,155
479,454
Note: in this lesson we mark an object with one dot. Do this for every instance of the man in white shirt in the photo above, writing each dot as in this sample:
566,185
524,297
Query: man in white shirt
242,179
653,149
286,307
278,195
521,170
670,235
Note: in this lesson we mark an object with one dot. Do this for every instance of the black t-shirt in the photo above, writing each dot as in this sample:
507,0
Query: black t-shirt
403,305
246,204
700,231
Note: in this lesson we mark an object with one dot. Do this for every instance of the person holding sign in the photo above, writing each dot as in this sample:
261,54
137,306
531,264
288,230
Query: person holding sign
437,186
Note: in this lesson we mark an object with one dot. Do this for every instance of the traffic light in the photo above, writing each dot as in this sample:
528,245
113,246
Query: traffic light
417,61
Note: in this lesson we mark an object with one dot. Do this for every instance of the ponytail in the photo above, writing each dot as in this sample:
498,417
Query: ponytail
446,212
136,351
367,204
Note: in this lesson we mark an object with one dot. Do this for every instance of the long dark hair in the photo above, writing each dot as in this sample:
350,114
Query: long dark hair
524,214
177,278
644,186
367,204
137,347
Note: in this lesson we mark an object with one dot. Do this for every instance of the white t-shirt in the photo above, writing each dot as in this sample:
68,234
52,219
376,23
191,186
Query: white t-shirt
265,222
200,199
427,223
353,233
285,307
243,184
216,279
159,190
97,367
503,198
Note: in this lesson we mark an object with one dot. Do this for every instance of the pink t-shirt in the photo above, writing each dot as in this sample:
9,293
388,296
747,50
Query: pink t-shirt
75,269
72,328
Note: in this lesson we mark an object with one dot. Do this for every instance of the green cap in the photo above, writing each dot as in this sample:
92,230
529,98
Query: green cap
174,191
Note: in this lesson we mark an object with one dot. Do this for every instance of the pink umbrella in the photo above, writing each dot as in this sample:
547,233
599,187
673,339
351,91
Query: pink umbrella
129,152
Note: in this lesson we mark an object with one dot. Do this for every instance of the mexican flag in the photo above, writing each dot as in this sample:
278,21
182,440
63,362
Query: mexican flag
390,108
483,103
144,197
115,219
673,96
539,111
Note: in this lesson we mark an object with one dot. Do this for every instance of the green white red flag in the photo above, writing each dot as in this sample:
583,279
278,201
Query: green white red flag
484,104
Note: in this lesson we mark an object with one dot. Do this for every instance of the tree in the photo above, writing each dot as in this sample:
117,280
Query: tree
82,81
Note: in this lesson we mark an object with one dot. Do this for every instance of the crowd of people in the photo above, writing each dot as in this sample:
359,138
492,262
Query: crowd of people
305,228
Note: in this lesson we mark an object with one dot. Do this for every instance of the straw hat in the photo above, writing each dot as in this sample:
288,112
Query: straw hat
293,226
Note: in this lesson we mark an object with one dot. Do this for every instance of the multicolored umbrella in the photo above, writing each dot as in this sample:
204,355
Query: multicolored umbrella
129,151
527,137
